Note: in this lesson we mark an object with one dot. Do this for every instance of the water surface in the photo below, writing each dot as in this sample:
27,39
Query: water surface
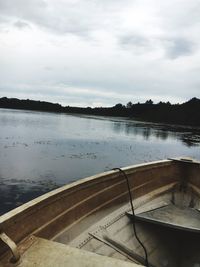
40,151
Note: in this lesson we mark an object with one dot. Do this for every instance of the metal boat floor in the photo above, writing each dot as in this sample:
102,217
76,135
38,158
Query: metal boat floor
112,235
172,216
52,254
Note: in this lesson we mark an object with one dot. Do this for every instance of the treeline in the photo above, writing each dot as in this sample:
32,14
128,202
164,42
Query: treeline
186,113
15,103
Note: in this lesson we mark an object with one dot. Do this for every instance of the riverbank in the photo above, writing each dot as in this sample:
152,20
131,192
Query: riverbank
178,114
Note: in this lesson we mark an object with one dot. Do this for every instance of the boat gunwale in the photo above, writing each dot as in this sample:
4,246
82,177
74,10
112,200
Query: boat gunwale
90,187
58,193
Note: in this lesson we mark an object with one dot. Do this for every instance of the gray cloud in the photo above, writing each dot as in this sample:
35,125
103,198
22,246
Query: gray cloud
134,41
21,24
22,8
99,51
178,47
47,68
79,18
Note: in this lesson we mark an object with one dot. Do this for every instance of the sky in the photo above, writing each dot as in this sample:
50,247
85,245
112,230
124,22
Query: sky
100,52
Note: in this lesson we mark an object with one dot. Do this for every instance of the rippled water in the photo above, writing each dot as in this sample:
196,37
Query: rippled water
41,151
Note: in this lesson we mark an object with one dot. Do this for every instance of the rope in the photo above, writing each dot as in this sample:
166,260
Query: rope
133,211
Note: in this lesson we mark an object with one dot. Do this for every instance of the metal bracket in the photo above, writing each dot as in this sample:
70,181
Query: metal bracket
11,245
104,237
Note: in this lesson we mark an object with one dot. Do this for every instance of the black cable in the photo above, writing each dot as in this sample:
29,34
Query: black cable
134,226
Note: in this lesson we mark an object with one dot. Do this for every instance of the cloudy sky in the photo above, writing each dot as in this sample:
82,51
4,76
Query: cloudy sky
100,52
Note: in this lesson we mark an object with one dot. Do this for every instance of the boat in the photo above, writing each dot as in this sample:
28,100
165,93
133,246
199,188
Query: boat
142,215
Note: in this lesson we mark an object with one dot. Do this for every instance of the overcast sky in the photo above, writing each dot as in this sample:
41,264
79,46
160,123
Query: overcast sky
100,52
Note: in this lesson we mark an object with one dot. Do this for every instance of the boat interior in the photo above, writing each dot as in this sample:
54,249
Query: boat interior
93,222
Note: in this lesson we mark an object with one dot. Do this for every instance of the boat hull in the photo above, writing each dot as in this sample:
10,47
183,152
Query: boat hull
66,208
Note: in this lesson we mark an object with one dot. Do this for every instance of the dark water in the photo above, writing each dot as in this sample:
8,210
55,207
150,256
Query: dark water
41,151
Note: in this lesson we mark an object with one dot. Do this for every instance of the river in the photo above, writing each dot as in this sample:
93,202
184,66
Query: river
40,151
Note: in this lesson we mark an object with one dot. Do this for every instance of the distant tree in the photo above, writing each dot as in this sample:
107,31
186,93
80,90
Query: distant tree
129,104
119,106
164,103
193,100
149,102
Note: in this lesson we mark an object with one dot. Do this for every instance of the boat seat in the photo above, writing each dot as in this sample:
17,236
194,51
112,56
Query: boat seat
52,254
172,216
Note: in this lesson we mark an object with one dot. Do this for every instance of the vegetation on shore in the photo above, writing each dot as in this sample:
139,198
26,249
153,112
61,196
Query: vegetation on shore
185,114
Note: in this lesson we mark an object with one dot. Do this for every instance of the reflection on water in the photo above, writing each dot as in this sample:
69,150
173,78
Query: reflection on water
188,135
41,151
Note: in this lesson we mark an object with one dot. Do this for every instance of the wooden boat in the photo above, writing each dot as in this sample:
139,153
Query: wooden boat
91,222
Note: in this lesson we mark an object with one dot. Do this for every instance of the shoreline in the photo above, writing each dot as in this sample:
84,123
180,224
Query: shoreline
174,114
